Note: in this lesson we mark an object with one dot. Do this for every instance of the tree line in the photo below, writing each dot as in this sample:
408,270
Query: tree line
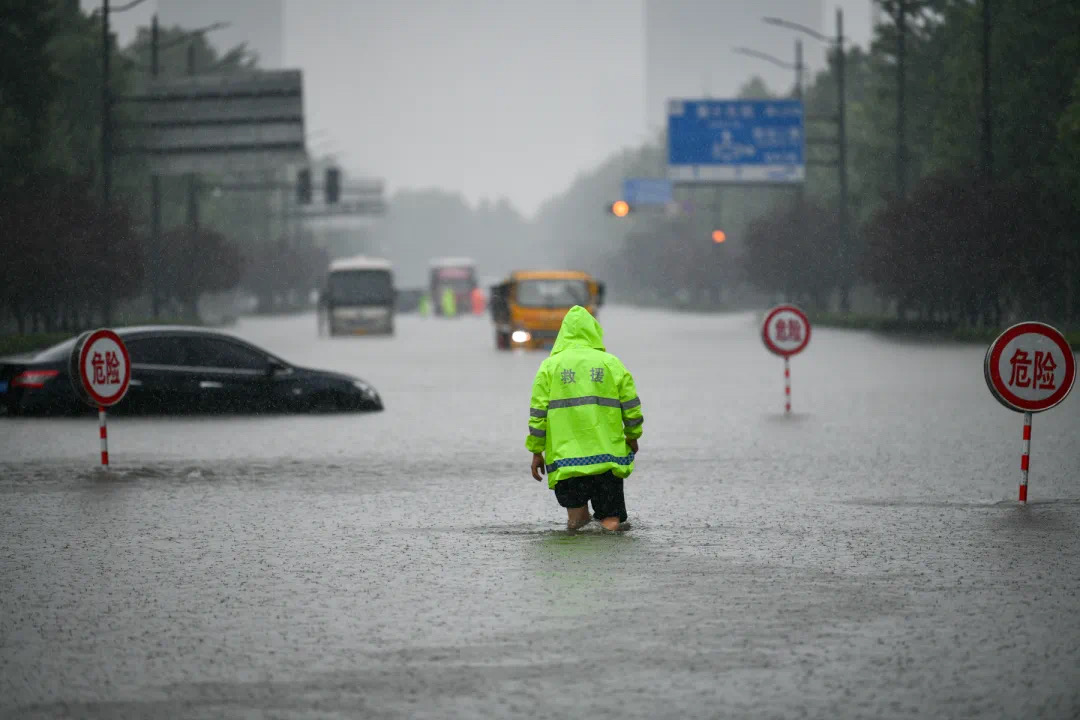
953,225
942,227
935,232
70,260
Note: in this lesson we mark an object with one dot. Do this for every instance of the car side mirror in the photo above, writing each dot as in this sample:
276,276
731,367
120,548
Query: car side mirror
276,367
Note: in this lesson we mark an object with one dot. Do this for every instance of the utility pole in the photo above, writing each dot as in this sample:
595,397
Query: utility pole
716,223
841,163
901,82
800,192
155,196
106,154
845,254
987,116
192,211
155,179
799,67
106,110
193,180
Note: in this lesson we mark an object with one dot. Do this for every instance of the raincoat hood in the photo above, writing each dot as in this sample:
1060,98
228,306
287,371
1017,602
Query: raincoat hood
579,329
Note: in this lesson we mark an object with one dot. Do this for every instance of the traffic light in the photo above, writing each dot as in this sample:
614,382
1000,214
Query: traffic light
303,186
619,208
718,236
333,185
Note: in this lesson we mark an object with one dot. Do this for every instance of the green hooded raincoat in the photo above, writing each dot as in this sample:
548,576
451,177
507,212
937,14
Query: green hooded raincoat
448,303
584,405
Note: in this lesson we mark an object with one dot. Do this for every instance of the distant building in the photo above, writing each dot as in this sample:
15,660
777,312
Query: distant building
260,25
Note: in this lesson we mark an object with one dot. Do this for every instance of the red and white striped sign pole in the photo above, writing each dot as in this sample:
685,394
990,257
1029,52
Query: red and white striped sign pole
100,370
104,436
1025,459
787,385
786,332
1029,368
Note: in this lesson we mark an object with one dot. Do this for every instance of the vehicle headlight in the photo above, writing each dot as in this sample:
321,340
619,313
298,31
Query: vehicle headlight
520,336
364,388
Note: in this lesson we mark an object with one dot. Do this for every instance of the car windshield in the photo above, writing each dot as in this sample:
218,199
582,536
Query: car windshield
361,287
552,293
56,352
456,278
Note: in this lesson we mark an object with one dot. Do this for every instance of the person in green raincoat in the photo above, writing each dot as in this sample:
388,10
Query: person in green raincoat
424,306
448,303
585,421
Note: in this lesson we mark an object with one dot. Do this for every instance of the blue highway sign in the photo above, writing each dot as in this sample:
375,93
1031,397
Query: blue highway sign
647,191
736,141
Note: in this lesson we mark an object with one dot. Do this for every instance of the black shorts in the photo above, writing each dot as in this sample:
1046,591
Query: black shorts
605,492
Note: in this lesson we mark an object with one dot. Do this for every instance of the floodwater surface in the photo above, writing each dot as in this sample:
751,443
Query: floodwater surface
864,557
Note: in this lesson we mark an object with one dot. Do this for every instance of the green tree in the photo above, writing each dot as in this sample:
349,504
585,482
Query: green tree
65,253
755,89
195,262
27,86
791,252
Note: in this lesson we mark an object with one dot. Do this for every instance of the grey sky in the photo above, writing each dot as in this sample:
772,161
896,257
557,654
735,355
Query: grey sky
485,97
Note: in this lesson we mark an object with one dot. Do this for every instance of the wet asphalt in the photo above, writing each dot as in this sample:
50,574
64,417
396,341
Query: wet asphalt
865,557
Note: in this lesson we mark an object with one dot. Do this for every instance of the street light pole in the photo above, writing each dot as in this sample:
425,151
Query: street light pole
841,140
155,195
987,118
106,110
797,66
192,212
841,157
193,178
901,111
798,69
800,194
106,153
106,144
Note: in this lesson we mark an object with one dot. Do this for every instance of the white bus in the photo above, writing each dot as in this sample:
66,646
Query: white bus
358,298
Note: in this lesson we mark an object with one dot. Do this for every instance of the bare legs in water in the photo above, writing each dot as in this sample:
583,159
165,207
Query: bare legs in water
579,517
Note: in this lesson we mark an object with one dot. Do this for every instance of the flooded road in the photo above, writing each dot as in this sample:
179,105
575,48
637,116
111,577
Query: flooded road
862,558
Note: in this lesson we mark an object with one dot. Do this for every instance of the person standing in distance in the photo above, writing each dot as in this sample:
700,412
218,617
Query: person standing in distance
585,419
448,303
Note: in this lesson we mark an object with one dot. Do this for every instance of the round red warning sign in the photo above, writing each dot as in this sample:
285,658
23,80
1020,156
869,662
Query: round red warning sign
104,368
786,330
1030,367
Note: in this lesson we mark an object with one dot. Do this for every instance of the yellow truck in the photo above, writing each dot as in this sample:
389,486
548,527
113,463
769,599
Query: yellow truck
528,307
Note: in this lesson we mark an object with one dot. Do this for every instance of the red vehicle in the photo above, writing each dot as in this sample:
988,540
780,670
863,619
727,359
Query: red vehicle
458,274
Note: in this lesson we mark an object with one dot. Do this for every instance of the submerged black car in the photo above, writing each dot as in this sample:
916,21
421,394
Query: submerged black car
185,370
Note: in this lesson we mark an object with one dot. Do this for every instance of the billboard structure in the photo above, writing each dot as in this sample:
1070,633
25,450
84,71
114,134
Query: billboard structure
739,142
231,123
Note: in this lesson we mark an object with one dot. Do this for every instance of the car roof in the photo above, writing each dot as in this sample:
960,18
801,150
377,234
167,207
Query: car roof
189,331
452,262
550,275
134,332
360,262
172,330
